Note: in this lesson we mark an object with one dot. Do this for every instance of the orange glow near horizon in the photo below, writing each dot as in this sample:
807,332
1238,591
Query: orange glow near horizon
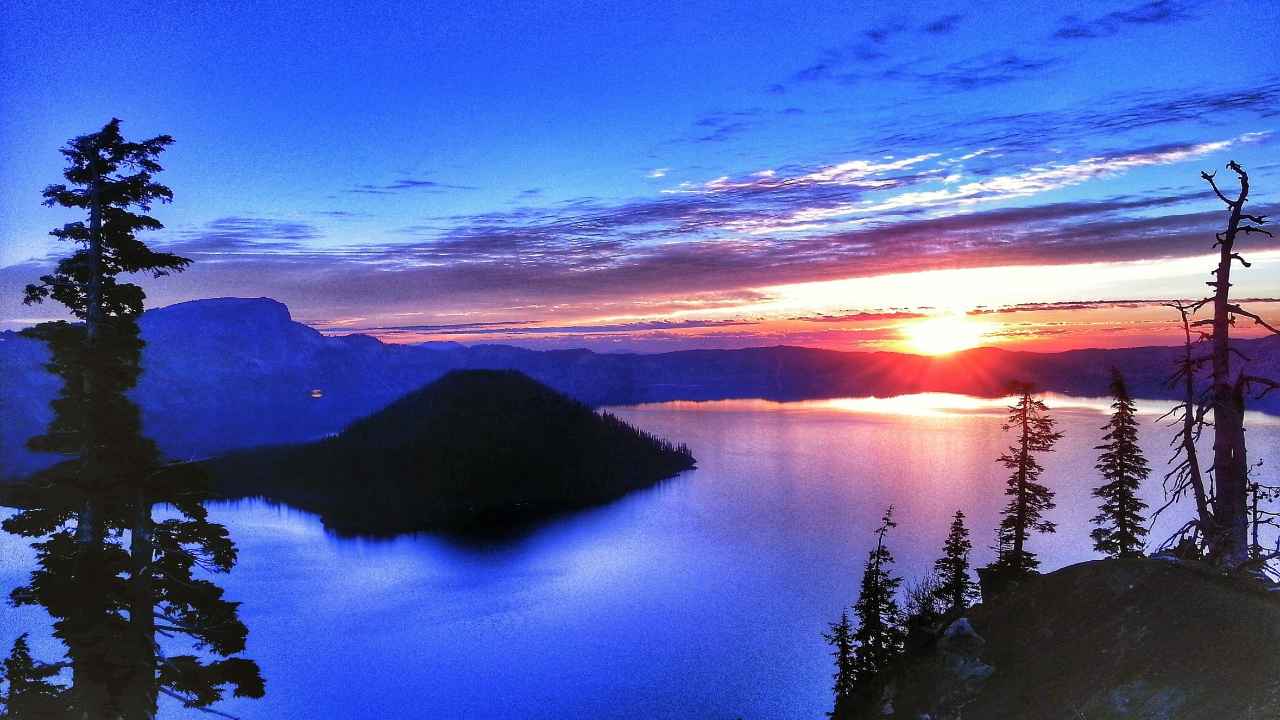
944,334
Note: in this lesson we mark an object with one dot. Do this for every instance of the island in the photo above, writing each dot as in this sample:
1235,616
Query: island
474,451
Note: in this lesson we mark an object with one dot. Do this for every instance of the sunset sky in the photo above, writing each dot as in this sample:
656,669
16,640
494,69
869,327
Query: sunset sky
666,175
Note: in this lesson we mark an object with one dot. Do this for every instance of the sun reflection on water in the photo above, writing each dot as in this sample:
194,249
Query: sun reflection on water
925,405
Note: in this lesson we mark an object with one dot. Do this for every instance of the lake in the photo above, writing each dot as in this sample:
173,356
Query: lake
702,598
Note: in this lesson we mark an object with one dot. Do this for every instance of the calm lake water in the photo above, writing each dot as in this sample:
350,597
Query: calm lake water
702,598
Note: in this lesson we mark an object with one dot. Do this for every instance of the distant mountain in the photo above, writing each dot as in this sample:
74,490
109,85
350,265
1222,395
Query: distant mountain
231,373
474,448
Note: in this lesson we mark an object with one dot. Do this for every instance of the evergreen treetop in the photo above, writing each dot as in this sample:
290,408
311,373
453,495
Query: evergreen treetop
1122,463
109,177
878,639
841,638
955,587
1029,497
30,696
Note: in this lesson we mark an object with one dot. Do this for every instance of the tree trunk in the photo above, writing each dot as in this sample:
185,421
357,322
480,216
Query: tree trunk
140,696
1020,531
1230,464
1194,475
93,313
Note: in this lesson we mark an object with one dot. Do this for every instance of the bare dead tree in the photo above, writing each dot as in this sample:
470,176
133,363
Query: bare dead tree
1260,516
1228,538
1189,415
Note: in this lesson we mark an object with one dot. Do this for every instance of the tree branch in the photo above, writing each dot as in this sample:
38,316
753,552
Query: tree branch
1209,177
186,702
1256,320
1271,384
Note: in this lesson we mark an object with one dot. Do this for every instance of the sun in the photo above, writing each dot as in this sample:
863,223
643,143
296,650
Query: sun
944,334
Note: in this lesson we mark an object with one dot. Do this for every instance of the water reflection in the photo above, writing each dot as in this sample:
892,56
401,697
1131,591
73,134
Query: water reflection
921,405
704,597
122,579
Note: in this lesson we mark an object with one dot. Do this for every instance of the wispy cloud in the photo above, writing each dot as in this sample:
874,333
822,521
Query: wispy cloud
1108,121
1090,305
943,25
871,62
233,236
895,52
853,218
405,184
861,317
1159,12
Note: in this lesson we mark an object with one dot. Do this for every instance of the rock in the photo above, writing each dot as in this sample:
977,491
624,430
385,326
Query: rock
1156,639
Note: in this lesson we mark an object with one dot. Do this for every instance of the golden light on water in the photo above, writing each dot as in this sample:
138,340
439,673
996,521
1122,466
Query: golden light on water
944,334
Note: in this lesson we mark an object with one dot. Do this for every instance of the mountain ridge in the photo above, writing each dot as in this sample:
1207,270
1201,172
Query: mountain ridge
232,373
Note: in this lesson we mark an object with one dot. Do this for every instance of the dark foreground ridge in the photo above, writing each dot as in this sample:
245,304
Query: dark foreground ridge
472,451
1103,640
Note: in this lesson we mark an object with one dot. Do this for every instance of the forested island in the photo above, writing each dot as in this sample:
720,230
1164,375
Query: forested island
474,450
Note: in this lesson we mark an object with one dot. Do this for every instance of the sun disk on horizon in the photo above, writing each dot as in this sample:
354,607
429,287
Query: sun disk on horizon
944,334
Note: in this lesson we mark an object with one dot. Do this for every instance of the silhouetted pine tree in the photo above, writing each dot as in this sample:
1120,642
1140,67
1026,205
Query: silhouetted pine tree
955,587
30,695
1025,511
1123,465
105,597
878,639
85,281
841,638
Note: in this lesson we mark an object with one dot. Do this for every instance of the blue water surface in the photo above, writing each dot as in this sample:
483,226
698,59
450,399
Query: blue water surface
702,598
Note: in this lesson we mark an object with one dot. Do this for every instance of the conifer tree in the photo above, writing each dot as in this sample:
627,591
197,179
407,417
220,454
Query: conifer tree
1121,530
30,695
955,587
878,639
1030,499
841,638
105,596
85,281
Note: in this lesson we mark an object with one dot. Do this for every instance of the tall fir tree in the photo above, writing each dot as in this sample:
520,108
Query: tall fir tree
955,586
105,595
1024,514
841,639
880,634
1121,530
109,177
30,694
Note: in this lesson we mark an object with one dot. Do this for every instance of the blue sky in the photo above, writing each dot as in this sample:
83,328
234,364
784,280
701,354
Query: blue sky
657,175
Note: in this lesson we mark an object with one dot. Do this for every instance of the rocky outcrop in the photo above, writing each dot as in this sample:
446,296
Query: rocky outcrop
1104,640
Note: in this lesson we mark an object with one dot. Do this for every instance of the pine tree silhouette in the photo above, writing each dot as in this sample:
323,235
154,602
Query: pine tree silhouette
1123,465
104,596
878,639
30,695
1030,499
841,638
955,587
